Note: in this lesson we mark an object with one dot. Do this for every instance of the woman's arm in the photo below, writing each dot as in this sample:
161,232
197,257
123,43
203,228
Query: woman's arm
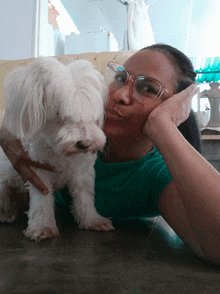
21,161
195,181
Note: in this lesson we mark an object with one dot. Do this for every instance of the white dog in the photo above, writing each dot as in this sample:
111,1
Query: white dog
57,112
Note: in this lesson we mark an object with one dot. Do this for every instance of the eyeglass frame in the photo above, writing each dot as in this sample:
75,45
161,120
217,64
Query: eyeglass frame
133,80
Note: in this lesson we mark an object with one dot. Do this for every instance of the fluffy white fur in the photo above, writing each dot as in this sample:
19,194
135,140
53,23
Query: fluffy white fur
57,111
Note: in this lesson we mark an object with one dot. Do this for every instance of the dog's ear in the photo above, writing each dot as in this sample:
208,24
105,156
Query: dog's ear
90,89
25,113
33,95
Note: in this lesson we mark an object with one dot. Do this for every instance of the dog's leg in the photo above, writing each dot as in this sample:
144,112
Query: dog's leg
8,212
10,184
41,223
82,191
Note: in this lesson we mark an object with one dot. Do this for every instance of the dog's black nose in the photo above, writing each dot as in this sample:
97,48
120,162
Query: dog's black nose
82,145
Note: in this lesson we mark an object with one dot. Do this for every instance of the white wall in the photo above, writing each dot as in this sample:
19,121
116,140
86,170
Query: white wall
17,24
44,32
171,21
96,16
17,31
203,39
191,25
82,43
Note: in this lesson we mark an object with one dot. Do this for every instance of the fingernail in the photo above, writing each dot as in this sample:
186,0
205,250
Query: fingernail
45,192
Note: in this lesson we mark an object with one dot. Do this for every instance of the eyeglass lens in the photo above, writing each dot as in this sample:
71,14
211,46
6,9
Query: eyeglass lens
116,76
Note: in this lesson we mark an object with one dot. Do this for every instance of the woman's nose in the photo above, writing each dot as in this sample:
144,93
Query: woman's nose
124,95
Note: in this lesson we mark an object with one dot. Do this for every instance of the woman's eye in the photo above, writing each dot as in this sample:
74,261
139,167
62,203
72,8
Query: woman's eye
146,89
120,78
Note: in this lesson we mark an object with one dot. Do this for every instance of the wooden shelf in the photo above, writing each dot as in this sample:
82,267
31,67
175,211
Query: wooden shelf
210,137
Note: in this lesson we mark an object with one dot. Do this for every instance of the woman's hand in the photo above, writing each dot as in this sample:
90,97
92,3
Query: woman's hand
175,109
21,160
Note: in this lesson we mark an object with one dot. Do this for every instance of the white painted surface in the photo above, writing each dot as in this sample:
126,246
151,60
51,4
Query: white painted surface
189,25
17,24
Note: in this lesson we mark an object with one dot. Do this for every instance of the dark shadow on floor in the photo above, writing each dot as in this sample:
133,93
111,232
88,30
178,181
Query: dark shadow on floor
138,257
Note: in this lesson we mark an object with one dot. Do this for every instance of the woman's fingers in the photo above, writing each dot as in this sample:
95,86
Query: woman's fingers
192,90
178,107
183,104
40,165
22,163
189,92
23,167
27,174
175,109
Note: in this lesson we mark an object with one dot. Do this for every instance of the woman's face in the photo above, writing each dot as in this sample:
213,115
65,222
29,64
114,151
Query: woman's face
125,116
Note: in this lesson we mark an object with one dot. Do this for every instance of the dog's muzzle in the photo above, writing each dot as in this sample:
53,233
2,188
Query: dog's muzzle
83,145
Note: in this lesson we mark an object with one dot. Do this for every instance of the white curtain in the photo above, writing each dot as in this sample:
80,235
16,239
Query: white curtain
140,33
203,29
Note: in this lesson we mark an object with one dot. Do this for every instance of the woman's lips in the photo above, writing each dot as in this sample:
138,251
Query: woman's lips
115,113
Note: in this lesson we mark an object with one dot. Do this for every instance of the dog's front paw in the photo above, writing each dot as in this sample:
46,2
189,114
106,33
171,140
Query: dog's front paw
41,234
99,224
103,225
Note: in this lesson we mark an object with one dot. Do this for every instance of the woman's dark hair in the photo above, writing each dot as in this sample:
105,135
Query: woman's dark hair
185,72
185,77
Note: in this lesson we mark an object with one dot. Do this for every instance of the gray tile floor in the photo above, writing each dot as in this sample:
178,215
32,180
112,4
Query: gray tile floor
135,258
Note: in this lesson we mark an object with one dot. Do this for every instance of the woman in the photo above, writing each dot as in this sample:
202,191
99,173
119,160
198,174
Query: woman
144,113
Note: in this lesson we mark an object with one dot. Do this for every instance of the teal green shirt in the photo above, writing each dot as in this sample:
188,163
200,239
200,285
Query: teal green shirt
130,189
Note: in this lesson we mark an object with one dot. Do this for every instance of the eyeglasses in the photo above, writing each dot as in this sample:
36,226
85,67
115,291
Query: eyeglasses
145,89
